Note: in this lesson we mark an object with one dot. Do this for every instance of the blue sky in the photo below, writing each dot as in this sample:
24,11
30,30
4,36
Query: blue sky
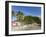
34,11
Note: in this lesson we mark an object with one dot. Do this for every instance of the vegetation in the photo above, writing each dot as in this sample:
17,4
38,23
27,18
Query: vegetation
27,19
37,20
19,16
13,13
31,19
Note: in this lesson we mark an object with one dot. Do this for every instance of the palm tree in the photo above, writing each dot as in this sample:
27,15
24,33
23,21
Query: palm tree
20,16
13,14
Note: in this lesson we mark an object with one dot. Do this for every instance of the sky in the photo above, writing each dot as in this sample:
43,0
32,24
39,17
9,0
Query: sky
33,11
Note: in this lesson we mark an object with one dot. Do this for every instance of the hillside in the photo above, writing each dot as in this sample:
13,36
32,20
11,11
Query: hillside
31,19
26,19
